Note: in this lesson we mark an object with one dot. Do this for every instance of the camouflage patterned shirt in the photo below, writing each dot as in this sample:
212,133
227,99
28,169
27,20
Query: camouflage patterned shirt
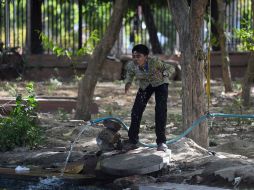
155,72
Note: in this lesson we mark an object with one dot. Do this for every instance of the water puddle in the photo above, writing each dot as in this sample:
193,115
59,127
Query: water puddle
49,183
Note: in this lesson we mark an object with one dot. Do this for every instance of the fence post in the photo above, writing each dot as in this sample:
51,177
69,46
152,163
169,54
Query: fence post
34,26
80,25
28,27
7,23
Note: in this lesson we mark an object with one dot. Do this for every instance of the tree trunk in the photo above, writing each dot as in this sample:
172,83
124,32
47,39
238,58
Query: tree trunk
36,27
214,30
152,30
88,82
248,80
226,74
188,21
249,75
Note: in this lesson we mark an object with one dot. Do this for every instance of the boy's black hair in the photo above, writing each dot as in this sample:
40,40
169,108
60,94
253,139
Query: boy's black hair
141,48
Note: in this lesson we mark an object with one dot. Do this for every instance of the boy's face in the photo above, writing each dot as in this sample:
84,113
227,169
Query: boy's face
139,58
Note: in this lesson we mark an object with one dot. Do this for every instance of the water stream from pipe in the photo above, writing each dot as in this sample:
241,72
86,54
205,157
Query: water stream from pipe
72,145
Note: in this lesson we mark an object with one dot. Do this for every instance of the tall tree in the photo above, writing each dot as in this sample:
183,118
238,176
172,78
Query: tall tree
249,75
226,74
188,19
152,30
89,81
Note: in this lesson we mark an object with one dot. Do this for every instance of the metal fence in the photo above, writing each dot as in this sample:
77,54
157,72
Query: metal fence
13,23
69,23
76,21
237,12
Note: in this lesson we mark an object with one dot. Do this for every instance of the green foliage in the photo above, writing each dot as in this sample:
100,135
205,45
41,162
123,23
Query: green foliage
56,49
246,35
87,47
98,13
20,128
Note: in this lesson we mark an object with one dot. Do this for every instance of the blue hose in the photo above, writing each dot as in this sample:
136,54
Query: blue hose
230,115
186,132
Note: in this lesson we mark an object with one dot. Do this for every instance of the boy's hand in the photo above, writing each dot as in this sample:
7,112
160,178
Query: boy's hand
127,87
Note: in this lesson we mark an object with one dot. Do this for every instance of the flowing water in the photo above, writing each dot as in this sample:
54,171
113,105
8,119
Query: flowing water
49,183
10,182
72,145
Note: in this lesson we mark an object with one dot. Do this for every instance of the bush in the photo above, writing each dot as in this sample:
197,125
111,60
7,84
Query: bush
19,128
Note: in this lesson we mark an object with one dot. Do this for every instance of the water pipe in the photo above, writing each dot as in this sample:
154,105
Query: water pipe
186,132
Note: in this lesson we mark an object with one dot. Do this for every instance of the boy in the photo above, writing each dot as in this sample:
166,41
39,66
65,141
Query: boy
153,77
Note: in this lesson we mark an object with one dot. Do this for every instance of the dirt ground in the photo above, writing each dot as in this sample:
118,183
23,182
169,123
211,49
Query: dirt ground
233,136
111,100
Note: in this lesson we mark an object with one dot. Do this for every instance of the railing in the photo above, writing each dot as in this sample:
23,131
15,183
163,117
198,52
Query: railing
69,23
236,12
13,22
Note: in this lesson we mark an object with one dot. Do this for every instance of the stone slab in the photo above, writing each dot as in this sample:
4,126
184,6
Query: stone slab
46,104
138,161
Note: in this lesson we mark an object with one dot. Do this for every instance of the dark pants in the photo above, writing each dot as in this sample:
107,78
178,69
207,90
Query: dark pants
142,97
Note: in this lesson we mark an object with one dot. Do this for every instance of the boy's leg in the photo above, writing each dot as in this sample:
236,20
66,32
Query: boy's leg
161,97
138,108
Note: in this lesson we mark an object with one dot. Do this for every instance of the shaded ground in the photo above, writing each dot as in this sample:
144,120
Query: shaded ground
232,137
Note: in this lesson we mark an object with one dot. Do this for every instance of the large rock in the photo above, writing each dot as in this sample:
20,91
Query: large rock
130,181
227,172
241,147
139,161
244,173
